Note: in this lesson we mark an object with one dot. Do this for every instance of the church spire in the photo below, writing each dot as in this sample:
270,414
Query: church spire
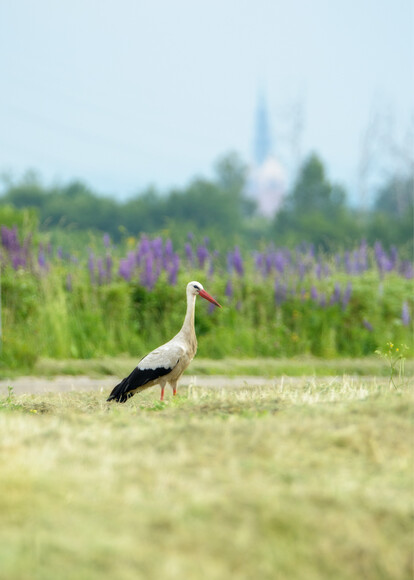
262,144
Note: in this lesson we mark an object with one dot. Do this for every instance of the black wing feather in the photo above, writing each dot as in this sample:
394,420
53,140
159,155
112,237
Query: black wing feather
138,378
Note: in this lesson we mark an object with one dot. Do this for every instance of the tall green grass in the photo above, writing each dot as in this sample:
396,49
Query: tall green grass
42,318
276,302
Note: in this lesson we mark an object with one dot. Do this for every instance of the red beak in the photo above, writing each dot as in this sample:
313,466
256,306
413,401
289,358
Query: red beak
207,296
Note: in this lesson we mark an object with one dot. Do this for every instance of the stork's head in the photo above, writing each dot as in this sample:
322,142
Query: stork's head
195,288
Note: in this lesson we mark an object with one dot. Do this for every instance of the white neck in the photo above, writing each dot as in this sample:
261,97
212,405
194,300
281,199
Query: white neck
188,324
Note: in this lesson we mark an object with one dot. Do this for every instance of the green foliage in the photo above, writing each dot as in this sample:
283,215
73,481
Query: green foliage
216,205
315,210
313,192
25,219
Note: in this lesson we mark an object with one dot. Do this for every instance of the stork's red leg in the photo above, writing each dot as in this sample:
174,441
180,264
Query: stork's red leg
162,393
174,390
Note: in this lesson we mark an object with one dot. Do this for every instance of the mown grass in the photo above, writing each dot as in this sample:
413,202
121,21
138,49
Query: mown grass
308,481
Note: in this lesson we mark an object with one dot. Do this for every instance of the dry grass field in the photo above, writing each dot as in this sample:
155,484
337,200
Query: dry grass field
311,479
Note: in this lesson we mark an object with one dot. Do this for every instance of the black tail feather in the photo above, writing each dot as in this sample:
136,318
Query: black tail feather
118,393
138,378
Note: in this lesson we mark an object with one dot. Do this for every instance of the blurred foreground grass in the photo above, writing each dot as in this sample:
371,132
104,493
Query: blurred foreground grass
307,482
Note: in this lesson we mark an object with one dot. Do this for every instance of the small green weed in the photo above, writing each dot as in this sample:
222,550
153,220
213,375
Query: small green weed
9,403
395,357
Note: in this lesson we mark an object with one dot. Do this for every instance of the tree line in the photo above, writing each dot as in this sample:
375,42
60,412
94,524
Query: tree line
315,209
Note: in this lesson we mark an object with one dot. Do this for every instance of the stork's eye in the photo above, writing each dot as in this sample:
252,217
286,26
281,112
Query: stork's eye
196,287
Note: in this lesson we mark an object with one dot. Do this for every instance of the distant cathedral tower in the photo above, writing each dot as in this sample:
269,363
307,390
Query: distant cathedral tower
267,177
262,143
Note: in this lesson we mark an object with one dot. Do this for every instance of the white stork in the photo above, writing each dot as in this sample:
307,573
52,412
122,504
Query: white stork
167,363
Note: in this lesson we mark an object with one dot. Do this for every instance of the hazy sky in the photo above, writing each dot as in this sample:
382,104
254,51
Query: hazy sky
123,93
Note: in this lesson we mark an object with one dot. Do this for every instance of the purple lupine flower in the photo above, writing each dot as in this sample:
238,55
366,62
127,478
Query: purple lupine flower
131,257
59,253
9,238
125,269
167,255
108,265
238,261
169,248
41,259
322,300
314,294
384,264
406,269
346,296
336,295
367,325
190,236
5,237
15,238
318,270
106,240
16,261
173,271
189,253
268,264
126,266
101,271
147,276
158,267
279,261
405,314
69,282
393,256
202,255
301,270
157,247
378,250
144,246
280,293
138,255
15,244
